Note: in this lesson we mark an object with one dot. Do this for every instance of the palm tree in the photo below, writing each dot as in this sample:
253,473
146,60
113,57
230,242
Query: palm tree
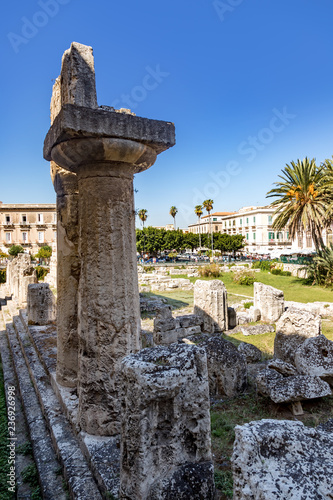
143,214
198,212
301,200
173,212
208,205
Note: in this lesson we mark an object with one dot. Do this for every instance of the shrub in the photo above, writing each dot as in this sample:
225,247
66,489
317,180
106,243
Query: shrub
247,305
2,275
15,250
41,272
244,277
280,272
212,270
263,265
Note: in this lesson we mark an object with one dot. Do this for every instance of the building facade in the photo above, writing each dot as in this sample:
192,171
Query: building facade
29,225
254,223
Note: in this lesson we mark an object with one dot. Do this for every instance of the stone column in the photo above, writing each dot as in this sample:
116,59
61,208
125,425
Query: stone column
68,272
41,307
165,442
105,148
109,312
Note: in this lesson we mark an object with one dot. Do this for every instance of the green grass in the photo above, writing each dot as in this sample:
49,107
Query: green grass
294,288
176,299
4,466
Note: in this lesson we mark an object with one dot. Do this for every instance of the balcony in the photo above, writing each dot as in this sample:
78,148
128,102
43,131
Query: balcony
8,225
25,224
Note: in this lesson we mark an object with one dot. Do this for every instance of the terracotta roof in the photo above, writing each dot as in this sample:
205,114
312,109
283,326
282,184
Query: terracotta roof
219,214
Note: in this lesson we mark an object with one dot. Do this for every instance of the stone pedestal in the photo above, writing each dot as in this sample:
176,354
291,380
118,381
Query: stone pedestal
68,272
104,148
210,302
166,449
41,305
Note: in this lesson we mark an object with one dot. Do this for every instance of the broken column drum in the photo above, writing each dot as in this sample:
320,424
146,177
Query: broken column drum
105,149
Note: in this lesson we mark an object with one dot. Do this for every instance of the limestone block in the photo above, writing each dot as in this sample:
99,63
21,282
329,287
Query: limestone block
166,337
210,303
41,304
269,300
29,277
292,329
315,357
164,320
255,314
294,388
166,448
256,329
282,367
282,459
226,366
189,320
250,352
232,317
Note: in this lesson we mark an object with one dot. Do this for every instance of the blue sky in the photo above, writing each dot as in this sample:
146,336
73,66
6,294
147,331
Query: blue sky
248,85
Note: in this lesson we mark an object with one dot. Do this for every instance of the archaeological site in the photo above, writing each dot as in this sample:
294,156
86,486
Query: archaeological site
122,391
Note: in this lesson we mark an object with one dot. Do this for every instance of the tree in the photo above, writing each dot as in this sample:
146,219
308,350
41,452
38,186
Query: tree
173,212
301,200
44,252
143,214
208,205
191,240
198,212
15,250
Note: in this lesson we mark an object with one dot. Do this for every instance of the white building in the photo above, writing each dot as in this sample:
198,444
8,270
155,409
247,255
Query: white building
254,223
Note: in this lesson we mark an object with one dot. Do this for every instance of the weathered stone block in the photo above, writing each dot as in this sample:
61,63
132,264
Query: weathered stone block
166,449
210,303
41,304
292,329
278,460
269,301
315,357
226,366
250,352
232,317
294,388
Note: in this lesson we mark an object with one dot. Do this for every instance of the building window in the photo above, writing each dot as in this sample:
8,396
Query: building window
287,233
247,220
269,219
254,236
254,220
24,237
24,219
216,228
40,218
240,222
214,219
7,219
40,237
247,236
308,240
54,235
234,223
271,236
8,237
229,223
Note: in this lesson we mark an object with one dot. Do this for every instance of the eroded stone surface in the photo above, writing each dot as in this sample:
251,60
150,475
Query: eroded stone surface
292,329
315,357
68,273
210,303
282,367
226,366
19,274
294,388
166,450
269,301
282,460
255,329
41,304
250,352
